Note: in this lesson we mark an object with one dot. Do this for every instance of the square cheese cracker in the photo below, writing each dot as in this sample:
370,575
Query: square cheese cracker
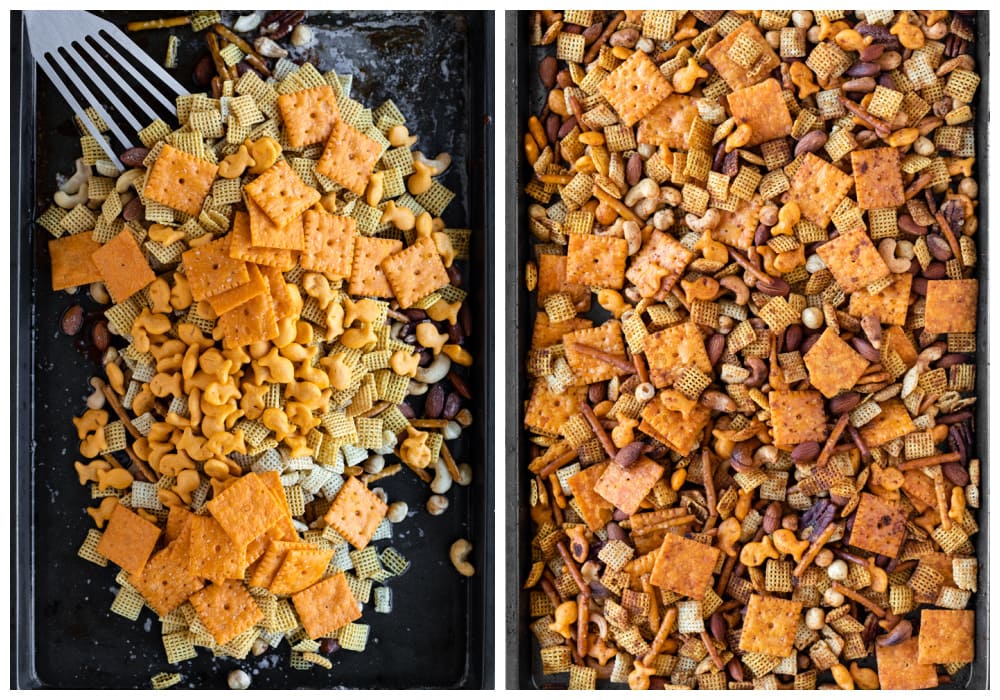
878,178
625,488
180,181
71,262
833,364
763,109
951,306
770,625
818,188
586,368
684,566
635,87
900,669
879,526
797,417
947,637
854,260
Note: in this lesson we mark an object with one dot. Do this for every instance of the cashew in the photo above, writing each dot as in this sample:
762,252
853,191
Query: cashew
633,236
416,388
464,474
440,163
397,512
435,371
708,220
442,478
459,554
374,464
887,249
127,179
646,207
247,23
67,201
663,220
644,189
735,285
437,504
78,178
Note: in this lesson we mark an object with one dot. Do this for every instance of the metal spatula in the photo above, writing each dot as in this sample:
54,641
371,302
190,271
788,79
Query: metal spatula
85,50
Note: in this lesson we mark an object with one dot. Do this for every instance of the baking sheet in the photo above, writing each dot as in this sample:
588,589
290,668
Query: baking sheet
437,67
525,97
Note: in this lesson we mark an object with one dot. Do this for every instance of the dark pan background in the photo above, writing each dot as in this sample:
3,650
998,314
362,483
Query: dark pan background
526,96
438,68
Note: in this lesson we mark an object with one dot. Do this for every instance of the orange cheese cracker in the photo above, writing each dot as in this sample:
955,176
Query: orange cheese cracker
879,526
678,431
308,115
180,181
586,368
854,260
253,321
326,606
900,669
123,266
658,265
947,637
833,364
769,625
165,581
596,261
889,305
951,306
669,122
894,421
367,278
594,508
246,509
177,519
818,188
264,233
684,566
241,248
797,417
545,333
415,272
355,513
268,565
625,488
211,271
758,63
736,228
552,280
231,298
71,262
671,351
128,540
878,178
281,194
547,411
635,87
763,109
329,243
214,555
226,609
286,302
300,569
349,157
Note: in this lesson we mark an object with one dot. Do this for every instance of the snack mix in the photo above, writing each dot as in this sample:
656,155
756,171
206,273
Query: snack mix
279,283
753,363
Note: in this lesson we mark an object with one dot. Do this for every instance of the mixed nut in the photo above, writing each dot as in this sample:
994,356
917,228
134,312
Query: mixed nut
753,461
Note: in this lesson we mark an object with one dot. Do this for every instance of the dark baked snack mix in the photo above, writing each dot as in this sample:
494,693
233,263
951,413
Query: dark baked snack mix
753,241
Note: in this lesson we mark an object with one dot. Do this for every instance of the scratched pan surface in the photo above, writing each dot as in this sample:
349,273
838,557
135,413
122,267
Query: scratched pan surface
437,67
526,96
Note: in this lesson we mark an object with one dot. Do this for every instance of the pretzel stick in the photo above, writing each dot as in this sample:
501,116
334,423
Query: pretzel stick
116,406
609,29
640,367
213,48
165,23
595,425
624,365
831,442
709,476
814,548
941,493
948,234
917,185
582,620
666,625
557,463
712,651
931,461
449,461
859,599
574,570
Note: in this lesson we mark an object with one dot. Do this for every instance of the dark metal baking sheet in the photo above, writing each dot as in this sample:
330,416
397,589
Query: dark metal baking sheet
437,67
526,96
